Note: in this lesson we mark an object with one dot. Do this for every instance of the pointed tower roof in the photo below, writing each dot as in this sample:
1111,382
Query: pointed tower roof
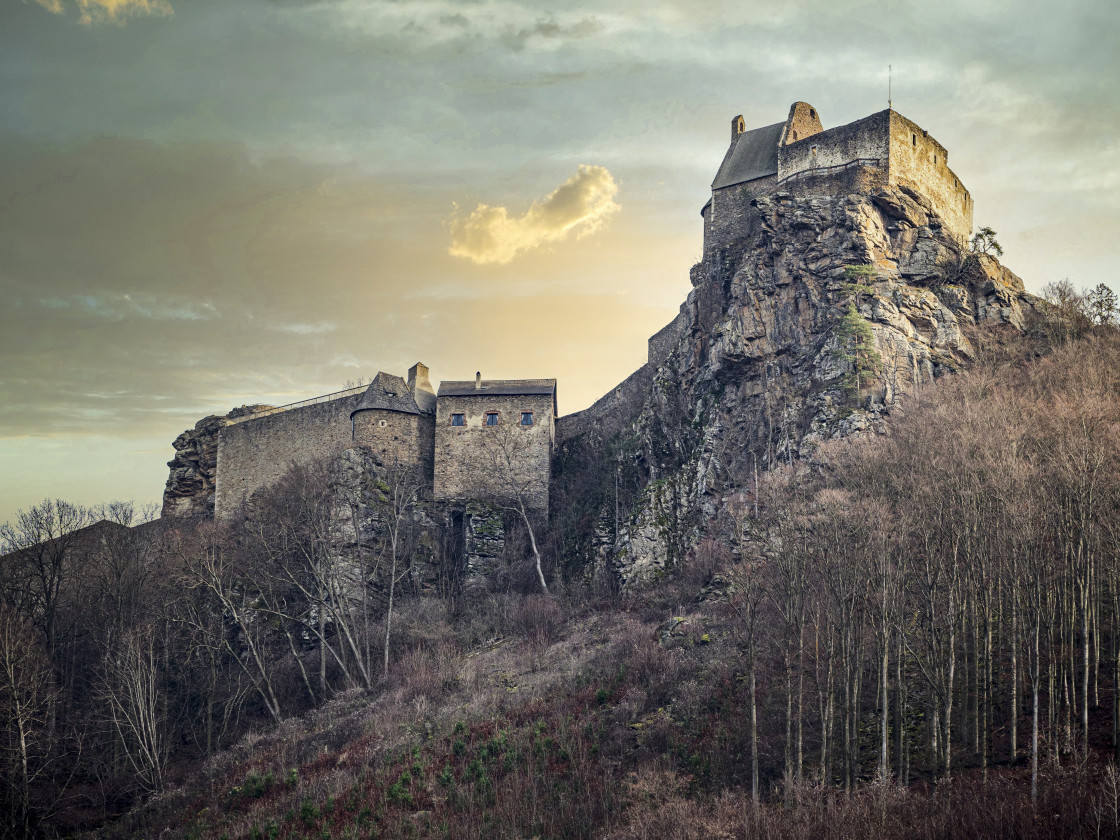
387,393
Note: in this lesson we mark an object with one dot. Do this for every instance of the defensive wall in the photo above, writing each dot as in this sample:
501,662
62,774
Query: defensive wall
616,409
399,439
920,163
256,452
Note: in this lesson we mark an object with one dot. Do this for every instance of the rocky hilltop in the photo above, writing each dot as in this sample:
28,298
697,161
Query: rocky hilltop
823,317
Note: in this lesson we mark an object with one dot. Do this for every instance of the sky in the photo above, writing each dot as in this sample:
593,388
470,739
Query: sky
206,203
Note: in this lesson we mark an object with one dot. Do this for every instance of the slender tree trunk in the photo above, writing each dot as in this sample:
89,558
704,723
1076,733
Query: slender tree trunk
754,735
884,715
1035,665
389,609
800,699
1013,723
900,715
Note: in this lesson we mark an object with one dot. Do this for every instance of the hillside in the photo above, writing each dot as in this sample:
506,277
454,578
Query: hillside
962,555
841,557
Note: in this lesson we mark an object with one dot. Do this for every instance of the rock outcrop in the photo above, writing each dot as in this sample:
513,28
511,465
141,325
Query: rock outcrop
822,318
190,484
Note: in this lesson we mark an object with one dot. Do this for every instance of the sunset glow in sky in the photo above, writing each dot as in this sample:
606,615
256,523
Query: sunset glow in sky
207,203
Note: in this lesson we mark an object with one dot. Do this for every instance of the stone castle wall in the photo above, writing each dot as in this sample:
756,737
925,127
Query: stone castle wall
465,455
920,163
398,439
255,453
612,412
662,342
615,410
863,139
879,150
728,216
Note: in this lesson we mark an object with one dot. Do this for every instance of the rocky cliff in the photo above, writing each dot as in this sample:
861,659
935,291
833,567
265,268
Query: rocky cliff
821,318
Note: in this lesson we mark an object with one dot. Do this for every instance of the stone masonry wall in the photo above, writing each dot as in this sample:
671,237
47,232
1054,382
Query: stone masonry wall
866,138
613,411
803,121
464,455
920,163
663,342
255,453
406,439
728,216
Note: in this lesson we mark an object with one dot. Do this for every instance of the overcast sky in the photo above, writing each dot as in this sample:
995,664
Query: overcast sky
206,203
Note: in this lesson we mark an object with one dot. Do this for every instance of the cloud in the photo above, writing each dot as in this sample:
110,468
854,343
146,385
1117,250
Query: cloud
580,205
52,6
118,11
548,29
110,11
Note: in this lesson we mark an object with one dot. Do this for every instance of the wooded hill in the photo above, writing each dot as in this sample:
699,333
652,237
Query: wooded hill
913,634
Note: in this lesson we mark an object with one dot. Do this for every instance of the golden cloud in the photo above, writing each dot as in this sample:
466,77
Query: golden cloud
111,11
580,205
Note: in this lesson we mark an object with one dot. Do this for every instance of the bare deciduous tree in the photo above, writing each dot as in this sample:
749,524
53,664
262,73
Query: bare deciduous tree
137,706
505,476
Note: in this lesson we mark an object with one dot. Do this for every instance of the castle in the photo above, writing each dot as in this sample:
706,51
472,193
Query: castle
800,157
448,437
447,440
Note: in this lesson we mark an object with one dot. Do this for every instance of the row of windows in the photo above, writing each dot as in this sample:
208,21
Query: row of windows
491,419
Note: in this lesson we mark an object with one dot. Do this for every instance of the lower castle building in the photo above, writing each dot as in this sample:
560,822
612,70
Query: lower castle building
475,439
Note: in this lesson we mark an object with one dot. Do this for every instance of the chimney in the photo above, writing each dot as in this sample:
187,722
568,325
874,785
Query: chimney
418,379
478,380
738,126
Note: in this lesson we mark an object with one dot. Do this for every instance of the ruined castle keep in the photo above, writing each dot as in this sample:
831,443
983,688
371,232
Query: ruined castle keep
800,157
792,206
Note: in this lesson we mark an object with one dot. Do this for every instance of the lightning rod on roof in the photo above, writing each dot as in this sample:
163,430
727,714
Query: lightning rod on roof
890,105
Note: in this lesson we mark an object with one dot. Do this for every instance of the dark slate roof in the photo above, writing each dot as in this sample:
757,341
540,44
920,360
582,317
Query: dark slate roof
755,155
506,387
387,393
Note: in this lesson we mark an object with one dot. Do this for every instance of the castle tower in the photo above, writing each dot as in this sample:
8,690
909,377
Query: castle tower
396,420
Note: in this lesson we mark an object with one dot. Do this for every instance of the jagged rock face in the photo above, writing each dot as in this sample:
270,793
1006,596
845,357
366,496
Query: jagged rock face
764,373
190,484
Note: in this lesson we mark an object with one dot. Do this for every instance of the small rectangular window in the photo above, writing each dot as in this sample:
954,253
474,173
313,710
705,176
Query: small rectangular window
458,420
491,418
526,418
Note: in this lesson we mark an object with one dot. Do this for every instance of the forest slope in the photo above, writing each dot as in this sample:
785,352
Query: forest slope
941,601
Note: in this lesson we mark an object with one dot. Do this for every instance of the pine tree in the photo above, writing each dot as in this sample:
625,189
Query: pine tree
857,349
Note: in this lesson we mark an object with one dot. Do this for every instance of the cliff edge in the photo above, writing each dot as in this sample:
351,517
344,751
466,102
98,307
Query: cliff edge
823,316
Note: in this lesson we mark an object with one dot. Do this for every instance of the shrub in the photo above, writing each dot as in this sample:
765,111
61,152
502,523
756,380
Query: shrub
538,618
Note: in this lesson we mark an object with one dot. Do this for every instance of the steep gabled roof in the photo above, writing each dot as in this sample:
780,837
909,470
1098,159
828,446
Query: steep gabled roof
754,155
387,393
505,387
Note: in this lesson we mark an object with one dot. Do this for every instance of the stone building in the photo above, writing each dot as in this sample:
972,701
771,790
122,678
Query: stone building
494,437
396,419
801,157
